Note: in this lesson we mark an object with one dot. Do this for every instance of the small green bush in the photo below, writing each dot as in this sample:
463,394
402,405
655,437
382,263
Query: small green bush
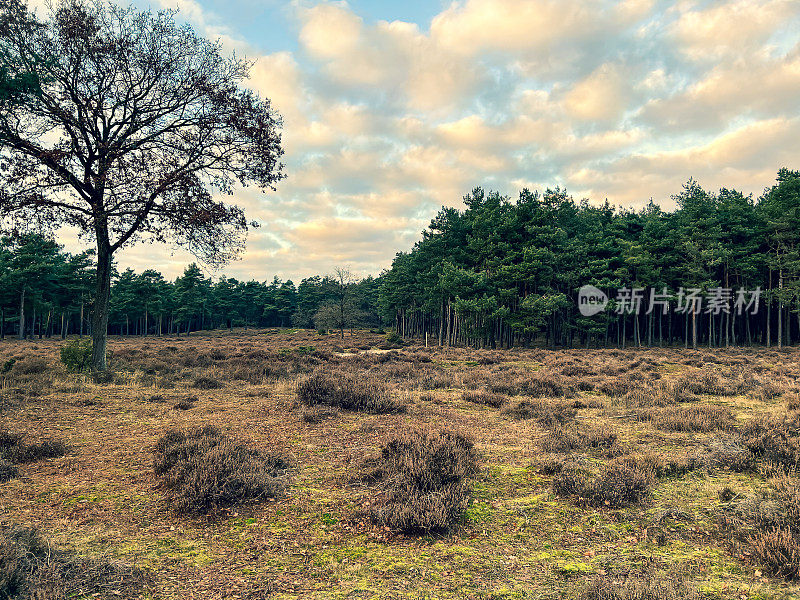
77,355
393,338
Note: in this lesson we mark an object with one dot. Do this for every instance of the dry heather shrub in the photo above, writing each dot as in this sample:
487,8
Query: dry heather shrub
644,587
206,383
774,441
731,454
205,470
548,413
347,392
435,381
766,390
484,397
8,471
31,569
699,418
425,475
707,382
13,448
615,387
623,481
184,403
642,396
577,371
547,384
30,365
794,403
568,439
315,414
766,527
548,465
779,551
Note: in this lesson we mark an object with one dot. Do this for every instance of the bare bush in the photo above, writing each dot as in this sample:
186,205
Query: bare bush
623,481
32,569
347,392
425,476
204,470
697,418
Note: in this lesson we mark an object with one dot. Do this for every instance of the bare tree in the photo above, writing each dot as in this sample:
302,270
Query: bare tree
342,310
135,125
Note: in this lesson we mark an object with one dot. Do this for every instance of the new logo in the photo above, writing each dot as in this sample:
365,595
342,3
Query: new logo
591,300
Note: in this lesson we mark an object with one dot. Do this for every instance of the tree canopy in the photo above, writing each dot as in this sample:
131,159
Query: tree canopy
137,130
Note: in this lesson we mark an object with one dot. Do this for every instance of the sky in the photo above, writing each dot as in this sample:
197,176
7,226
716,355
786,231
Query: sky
394,109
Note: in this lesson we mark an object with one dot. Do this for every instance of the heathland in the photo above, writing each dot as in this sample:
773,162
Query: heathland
288,464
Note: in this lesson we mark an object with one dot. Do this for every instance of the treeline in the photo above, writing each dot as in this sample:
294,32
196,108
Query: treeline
504,273
45,292
498,273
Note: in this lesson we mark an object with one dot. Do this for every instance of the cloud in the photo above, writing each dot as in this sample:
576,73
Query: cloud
598,97
729,29
385,121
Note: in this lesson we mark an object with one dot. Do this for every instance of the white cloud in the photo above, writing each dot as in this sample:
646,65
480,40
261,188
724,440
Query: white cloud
386,121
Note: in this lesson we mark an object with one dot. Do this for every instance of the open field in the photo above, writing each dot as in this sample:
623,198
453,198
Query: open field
682,417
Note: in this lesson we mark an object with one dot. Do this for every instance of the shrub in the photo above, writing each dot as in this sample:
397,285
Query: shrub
314,414
13,449
548,413
778,550
700,418
183,404
101,377
634,587
393,338
205,470
483,397
622,482
206,383
77,355
545,384
766,526
425,477
346,392
775,441
8,471
32,569
568,439
548,465
32,365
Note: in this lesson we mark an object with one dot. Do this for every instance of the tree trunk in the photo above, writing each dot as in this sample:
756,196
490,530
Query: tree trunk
100,311
780,309
22,314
